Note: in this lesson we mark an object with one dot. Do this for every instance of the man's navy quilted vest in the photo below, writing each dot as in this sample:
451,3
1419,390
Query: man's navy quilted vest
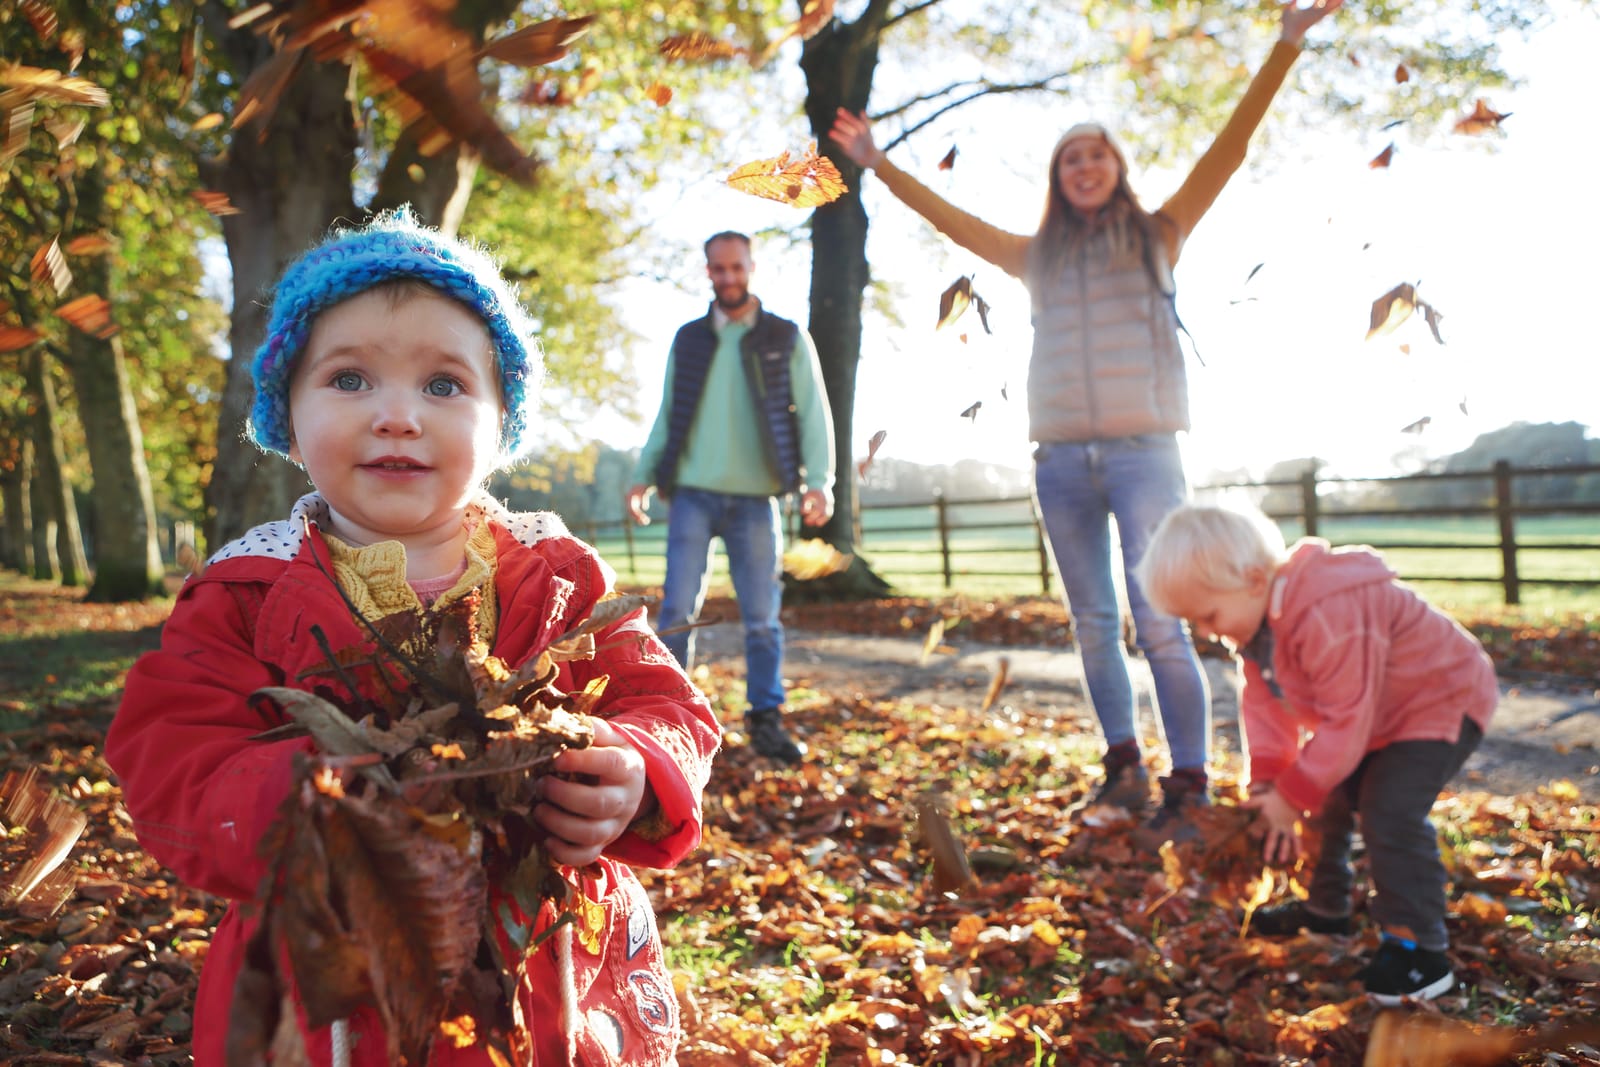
764,350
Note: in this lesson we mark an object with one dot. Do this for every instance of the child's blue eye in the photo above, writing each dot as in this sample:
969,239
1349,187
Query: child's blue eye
443,386
347,381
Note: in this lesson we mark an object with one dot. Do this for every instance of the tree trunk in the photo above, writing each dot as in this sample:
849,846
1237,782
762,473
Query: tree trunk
45,566
70,566
289,182
18,497
839,63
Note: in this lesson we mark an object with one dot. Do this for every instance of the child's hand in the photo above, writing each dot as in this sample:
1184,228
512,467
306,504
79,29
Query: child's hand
1282,843
585,814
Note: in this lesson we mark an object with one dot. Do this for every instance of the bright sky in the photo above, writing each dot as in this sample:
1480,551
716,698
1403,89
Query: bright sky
1500,232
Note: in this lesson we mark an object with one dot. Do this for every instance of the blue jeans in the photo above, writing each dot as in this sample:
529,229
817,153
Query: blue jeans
1078,488
753,538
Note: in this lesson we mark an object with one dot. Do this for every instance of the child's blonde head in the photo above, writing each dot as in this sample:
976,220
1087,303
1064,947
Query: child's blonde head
1216,548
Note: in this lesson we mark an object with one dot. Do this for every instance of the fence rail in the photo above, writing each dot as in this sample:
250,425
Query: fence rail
951,531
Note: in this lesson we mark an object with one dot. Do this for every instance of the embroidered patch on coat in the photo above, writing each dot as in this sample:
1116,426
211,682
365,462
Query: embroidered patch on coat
639,923
654,1005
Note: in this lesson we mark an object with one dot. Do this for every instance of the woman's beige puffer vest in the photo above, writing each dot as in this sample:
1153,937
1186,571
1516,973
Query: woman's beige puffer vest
1106,361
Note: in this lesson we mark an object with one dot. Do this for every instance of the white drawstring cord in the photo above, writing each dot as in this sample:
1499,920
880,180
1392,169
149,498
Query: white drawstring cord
569,991
339,1043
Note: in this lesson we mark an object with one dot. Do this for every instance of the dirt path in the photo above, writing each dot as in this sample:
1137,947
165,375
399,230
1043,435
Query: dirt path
1538,736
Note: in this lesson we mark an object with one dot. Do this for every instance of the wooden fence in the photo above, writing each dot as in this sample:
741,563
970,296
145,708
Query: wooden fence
883,535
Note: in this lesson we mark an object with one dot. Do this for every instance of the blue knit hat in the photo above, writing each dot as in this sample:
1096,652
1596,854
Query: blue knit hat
393,246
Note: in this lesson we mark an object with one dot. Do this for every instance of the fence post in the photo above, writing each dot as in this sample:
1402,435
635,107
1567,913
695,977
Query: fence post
1508,531
1044,553
1308,499
941,508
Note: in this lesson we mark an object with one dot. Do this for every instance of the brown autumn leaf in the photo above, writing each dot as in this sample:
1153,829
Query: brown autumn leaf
258,98
972,410
949,160
91,314
90,244
38,83
1432,317
207,122
658,94
16,338
875,443
1391,309
41,16
539,44
1482,119
1382,159
65,131
954,301
1416,1039
49,267
15,123
951,871
1002,670
48,826
698,47
809,181
931,643
1418,426
214,202
1401,74
814,15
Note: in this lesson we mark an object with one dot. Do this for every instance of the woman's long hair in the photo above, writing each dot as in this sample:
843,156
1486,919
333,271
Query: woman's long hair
1063,231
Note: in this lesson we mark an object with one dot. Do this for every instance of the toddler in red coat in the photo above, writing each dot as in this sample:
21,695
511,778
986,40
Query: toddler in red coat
1360,701
399,371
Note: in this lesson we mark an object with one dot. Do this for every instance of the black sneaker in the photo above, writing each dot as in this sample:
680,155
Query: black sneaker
1291,917
1171,822
769,738
1400,969
1126,785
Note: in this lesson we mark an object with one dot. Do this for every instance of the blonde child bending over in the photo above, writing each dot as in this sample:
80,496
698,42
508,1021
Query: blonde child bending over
399,371
1360,701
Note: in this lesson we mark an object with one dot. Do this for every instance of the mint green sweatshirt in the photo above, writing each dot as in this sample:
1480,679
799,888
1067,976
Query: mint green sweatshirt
724,452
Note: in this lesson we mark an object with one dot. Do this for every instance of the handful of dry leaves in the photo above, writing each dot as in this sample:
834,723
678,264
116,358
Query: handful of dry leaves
417,801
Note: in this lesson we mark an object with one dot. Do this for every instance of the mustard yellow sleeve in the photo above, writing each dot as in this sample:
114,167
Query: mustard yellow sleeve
1008,251
1205,182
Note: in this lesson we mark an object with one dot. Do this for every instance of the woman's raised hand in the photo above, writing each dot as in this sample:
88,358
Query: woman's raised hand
1297,20
853,133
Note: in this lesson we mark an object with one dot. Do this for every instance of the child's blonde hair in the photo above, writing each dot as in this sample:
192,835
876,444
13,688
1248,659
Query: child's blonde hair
1220,548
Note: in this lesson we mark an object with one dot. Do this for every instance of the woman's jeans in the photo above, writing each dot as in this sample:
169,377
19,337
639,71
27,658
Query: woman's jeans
1078,487
752,535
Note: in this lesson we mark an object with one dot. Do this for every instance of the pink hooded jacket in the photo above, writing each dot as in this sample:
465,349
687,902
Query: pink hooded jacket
1362,662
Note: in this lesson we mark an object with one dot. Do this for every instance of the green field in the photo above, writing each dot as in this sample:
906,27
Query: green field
994,552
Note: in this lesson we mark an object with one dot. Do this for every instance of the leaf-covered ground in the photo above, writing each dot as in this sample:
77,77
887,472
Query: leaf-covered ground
805,931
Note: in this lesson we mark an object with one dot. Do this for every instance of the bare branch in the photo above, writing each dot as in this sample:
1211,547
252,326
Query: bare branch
1049,83
910,12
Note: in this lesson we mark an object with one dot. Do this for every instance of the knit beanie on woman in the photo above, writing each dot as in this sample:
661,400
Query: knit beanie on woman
393,246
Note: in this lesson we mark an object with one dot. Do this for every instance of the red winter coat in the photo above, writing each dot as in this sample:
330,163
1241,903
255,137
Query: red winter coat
202,793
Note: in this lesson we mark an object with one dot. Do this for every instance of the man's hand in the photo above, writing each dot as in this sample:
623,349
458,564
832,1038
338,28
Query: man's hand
638,500
816,507
1282,824
585,813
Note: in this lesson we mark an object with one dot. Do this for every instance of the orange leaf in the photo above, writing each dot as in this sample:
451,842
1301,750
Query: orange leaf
207,122
698,46
15,122
1401,74
13,338
660,95
41,16
1002,670
49,267
539,44
949,160
954,301
809,181
91,314
1382,159
1392,308
1482,120
872,450
38,83
90,244
215,203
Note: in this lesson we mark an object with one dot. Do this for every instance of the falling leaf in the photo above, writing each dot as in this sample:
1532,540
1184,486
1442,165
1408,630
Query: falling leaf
38,83
215,203
49,267
1418,426
207,122
814,558
1260,893
1401,74
41,16
814,15
873,445
809,181
1382,159
259,96
1387,126
65,131
14,338
90,244
951,871
954,301
1463,405
50,826
1482,120
1417,1039
659,95
15,123
1003,395
1405,349
1431,315
972,411
1253,272
698,46
949,160
982,307
416,173
1002,670
91,314
1392,308
537,45
931,643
